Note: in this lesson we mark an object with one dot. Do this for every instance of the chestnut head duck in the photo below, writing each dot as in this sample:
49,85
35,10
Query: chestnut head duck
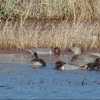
55,51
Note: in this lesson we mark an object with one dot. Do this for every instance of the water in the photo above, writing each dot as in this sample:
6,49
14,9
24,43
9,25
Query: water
18,80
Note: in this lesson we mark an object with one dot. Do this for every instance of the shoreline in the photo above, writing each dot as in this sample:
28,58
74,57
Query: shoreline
13,51
16,51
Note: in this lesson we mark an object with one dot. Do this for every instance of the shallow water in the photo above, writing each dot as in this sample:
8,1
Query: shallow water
18,80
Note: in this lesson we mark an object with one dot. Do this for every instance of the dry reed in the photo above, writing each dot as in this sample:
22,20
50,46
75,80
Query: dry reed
49,34
22,33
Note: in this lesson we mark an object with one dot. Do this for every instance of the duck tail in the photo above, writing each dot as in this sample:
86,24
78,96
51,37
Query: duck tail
95,54
30,51
27,50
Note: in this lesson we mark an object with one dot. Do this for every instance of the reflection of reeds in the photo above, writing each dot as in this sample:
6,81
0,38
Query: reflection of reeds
49,34
50,9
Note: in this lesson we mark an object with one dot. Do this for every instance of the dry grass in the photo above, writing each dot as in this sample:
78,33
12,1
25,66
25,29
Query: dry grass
49,34
22,33
50,9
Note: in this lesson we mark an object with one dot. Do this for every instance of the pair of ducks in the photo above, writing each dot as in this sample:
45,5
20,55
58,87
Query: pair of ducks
36,62
83,60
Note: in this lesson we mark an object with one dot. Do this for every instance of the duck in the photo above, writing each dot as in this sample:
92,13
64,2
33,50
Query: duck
61,65
36,62
82,59
55,51
94,66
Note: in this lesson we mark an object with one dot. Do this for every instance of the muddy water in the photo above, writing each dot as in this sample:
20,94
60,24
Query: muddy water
18,80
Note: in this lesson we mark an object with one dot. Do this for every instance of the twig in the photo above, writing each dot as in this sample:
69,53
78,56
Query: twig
83,81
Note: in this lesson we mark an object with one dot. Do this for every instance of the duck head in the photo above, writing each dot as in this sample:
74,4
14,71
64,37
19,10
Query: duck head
76,48
59,64
56,51
35,56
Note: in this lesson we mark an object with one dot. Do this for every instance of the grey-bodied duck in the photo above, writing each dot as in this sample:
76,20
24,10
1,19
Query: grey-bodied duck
55,51
82,59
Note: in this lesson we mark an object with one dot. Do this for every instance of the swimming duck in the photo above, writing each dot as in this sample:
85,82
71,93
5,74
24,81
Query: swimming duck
60,65
80,58
95,65
36,62
45,51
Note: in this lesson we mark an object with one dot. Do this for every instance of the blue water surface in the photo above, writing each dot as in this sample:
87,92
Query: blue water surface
21,81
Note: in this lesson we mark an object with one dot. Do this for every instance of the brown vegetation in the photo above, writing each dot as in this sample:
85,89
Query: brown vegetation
49,34
80,23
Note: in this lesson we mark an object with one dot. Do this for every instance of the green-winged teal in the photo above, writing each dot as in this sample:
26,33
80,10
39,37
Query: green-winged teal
60,65
55,51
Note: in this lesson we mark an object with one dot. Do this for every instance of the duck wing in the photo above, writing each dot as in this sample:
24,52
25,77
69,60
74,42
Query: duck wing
40,50
83,59
42,62
95,54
